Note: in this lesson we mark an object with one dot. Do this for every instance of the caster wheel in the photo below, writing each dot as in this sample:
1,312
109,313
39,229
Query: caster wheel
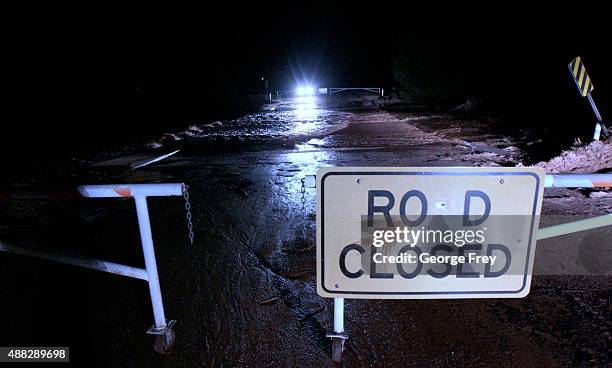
165,343
337,349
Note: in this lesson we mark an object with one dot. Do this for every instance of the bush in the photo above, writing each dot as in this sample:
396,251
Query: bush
425,73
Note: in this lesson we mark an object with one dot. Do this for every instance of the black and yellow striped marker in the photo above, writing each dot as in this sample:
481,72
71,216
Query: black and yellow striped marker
585,87
583,82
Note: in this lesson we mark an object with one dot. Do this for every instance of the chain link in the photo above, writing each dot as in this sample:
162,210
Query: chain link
188,213
304,215
303,190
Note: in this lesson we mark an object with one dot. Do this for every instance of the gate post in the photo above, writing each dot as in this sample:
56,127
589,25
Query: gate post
338,335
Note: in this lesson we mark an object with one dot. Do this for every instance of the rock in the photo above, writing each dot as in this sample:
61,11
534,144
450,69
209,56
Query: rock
600,194
592,158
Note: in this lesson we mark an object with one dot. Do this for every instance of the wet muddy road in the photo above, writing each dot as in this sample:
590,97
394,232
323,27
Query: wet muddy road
244,293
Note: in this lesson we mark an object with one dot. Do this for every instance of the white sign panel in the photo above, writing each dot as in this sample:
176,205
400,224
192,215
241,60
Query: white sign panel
425,233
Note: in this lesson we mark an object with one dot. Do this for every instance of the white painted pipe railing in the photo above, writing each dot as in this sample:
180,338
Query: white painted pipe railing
338,315
139,192
131,190
332,90
578,181
574,226
95,264
146,237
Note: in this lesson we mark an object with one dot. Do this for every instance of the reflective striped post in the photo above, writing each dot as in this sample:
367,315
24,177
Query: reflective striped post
585,87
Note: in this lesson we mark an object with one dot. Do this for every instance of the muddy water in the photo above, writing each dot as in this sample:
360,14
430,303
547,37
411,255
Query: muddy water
280,122
244,293
303,116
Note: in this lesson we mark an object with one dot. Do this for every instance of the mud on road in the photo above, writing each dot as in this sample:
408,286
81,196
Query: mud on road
244,293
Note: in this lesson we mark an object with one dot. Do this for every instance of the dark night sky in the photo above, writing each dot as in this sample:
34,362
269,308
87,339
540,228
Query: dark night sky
507,54
67,78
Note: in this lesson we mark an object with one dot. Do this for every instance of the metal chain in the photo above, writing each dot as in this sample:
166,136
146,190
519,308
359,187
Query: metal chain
303,190
188,213
304,217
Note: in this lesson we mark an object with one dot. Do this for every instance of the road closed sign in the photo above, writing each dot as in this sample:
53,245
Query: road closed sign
425,233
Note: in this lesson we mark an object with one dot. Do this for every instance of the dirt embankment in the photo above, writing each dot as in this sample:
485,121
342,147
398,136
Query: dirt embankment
592,158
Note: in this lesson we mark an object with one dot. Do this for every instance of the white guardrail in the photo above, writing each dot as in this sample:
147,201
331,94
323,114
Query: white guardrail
576,181
331,90
162,327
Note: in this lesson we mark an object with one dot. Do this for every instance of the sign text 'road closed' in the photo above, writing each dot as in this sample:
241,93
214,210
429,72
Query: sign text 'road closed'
421,233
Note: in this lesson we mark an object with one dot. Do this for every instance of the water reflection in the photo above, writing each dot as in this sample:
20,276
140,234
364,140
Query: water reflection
308,162
306,108
306,114
315,144
300,116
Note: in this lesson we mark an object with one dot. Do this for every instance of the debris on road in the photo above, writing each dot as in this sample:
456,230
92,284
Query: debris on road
595,157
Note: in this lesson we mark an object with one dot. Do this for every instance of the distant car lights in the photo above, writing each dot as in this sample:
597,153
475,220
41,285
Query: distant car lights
305,90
